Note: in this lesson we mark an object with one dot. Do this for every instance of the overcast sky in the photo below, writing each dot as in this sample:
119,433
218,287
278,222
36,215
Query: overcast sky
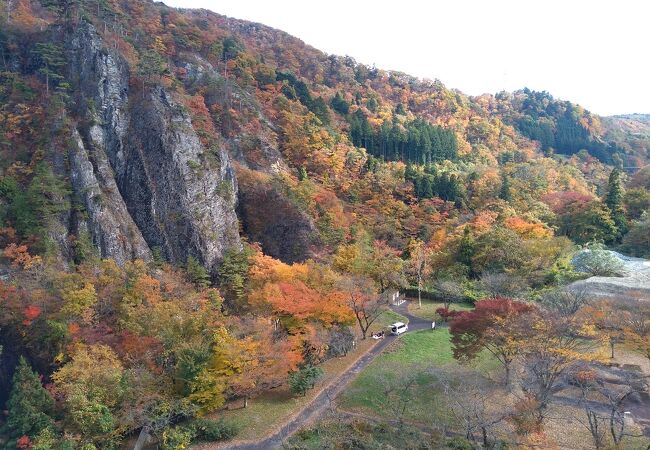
595,53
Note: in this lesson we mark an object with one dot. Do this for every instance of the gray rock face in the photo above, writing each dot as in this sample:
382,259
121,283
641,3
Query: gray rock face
182,196
103,82
109,223
267,215
103,87
139,168
634,284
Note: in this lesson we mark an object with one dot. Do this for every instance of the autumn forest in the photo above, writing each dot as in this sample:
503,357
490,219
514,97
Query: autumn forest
202,217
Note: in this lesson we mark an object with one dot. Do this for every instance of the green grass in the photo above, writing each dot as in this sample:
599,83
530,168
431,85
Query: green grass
428,310
413,351
422,346
387,318
263,413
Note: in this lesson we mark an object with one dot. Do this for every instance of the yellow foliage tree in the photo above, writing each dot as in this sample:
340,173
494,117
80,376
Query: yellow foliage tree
93,369
230,360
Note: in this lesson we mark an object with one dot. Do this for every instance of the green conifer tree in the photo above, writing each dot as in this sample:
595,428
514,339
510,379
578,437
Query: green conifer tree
29,406
466,249
340,105
51,61
504,193
196,273
614,201
233,275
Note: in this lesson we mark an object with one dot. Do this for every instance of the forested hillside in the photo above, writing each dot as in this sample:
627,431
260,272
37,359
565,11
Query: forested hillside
631,132
192,208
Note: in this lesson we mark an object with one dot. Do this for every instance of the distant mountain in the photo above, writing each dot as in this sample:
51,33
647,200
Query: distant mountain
643,118
631,132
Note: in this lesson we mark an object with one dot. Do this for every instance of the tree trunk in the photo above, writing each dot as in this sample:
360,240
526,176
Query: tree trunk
143,438
360,321
617,435
593,428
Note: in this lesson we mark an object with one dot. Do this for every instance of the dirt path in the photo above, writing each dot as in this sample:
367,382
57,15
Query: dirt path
322,401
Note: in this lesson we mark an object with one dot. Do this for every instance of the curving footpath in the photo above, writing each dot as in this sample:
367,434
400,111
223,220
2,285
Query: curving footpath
322,401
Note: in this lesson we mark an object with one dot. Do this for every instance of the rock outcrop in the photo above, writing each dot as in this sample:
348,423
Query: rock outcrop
268,216
102,99
181,196
138,166
634,283
108,221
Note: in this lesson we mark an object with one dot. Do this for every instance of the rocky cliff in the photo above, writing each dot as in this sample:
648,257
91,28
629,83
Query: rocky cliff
138,167
180,129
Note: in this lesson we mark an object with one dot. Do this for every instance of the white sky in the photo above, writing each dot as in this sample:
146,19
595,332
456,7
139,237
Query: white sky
595,53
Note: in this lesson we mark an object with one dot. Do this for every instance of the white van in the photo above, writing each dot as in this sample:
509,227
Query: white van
398,328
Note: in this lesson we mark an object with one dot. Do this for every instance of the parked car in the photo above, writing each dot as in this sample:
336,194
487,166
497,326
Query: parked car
398,328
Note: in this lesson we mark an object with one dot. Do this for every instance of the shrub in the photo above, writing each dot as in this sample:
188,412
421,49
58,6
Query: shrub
44,440
24,443
304,379
447,314
425,294
213,430
341,341
563,273
177,438
66,444
459,443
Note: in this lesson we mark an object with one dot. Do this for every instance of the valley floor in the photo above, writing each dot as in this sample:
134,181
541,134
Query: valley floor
354,387
270,419
429,405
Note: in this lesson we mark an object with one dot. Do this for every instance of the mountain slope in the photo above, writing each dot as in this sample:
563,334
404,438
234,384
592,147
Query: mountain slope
630,132
196,209
153,103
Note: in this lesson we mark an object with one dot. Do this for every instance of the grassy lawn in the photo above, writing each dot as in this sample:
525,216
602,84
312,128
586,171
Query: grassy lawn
426,404
428,310
274,408
420,347
386,319
425,348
